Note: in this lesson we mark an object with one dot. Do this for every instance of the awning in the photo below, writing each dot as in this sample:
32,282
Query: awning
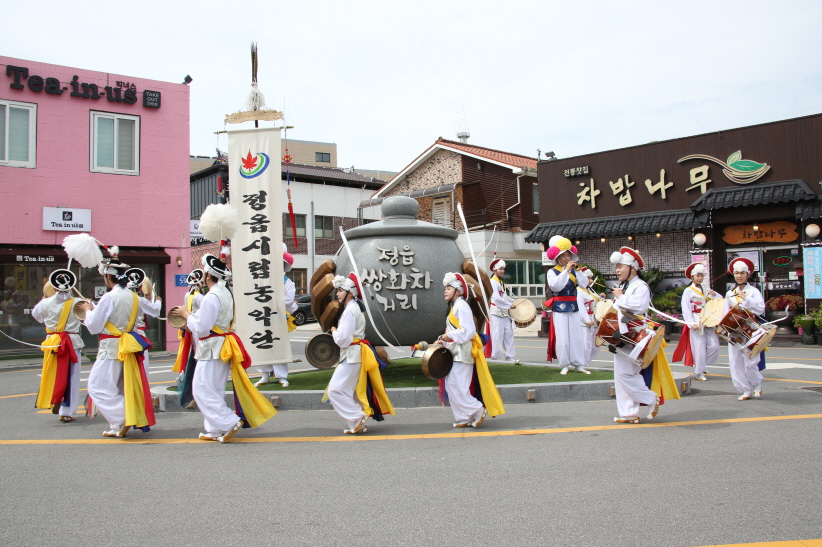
45,255
624,225
809,209
433,191
759,194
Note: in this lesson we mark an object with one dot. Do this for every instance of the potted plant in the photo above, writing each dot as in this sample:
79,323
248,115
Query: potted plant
669,303
776,309
805,322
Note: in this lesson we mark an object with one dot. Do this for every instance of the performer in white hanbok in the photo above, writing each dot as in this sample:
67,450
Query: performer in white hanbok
502,325
565,333
148,306
220,351
468,388
60,379
586,301
118,389
698,346
186,362
356,389
632,296
280,370
744,371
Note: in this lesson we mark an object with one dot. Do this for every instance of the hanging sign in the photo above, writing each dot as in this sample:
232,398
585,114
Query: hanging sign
62,219
782,231
257,248
813,272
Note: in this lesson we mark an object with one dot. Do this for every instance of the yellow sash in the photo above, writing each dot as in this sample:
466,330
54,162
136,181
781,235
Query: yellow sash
663,383
570,273
370,369
256,408
128,347
698,292
290,322
49,375
490,394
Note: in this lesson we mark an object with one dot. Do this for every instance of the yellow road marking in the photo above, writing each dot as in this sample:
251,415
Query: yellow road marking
796,543
461,435
771,379
82,389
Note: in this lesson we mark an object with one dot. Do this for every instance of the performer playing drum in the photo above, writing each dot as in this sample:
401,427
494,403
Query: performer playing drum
280,370
502,326
698,346
744,370
220,351
150,304
586,302
565,334
118,389
631,384
461,338
60,380
356,389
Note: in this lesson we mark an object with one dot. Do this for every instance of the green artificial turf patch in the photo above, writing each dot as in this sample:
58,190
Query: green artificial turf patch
407,372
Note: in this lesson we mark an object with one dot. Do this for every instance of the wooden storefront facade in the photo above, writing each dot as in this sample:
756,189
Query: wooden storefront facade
750,191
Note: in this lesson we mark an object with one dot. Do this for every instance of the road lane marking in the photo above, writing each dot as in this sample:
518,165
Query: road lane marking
772,379
790,543
461,435
82,389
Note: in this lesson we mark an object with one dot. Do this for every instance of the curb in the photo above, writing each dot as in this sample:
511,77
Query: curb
419,397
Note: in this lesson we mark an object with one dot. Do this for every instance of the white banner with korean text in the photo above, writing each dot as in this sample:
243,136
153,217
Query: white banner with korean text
257,248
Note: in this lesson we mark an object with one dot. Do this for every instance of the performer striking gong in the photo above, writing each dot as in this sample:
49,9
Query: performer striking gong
60,380
356,390
469,386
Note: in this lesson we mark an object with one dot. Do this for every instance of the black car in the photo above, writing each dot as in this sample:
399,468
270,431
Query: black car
303,313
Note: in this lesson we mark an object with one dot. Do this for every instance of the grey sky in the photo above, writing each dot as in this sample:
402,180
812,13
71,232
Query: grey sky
384,79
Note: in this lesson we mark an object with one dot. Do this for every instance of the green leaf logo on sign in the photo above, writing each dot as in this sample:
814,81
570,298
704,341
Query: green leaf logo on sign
736,169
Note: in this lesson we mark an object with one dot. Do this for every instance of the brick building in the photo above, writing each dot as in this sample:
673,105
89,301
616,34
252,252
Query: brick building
500,198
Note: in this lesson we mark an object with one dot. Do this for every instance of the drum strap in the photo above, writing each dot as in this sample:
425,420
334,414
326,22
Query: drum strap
698,290
570,274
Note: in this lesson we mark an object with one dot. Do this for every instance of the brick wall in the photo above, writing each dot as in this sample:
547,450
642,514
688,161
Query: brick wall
323,246
444,167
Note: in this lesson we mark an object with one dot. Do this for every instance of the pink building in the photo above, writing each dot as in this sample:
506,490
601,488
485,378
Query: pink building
96,152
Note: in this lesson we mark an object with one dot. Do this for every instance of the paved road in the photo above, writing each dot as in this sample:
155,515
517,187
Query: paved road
710,470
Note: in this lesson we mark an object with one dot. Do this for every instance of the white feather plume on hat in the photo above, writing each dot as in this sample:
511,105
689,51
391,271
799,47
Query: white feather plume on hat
219,221
346,284
84,249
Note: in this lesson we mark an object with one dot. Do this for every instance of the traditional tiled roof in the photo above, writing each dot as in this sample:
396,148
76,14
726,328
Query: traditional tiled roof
643,223
508,159
759,194
331,174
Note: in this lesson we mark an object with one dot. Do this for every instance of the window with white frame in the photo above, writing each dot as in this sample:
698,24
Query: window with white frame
536,198
18,134
115,143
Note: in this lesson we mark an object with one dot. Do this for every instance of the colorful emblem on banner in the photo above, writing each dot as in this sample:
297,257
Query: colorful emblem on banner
254,166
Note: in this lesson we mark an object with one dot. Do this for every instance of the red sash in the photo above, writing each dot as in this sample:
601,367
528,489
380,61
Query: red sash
65,356
683,348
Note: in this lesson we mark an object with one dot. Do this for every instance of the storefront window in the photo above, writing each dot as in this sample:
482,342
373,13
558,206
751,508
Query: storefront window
23,289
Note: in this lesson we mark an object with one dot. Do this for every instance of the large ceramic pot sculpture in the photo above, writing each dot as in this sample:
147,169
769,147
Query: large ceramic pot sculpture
401,262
